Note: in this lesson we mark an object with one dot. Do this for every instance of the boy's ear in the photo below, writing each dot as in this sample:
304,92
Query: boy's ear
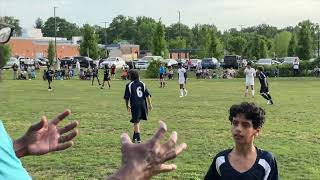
257,133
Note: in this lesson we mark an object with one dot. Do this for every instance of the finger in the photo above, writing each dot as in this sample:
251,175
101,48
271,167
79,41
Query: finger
68,137
160,133
61,116
167,168
174,153
68,127
171,143
39,125
125,139
64,146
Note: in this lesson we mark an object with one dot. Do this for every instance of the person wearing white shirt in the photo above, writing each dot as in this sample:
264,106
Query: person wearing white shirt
250,74
182,73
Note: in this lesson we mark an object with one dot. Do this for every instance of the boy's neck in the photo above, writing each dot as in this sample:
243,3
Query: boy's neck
244,150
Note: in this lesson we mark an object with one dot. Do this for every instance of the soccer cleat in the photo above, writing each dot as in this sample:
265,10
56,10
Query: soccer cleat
269,103
180,96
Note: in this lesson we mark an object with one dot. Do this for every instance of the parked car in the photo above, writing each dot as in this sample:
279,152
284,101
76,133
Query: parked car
290,60
233,61
24,60
117,61
152,58
67,61
195,62
267,62
84,61
41,61
11,62
141,64
209,63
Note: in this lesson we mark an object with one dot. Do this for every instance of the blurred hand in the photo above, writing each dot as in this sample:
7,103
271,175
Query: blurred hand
150,107
142,161
45,137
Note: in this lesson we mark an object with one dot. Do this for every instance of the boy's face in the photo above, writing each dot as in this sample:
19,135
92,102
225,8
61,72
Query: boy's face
242,130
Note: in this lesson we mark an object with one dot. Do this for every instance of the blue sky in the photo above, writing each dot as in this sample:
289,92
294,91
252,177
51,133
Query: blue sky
223,13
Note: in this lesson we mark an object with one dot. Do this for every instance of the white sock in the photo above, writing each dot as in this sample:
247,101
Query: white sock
252,92
181,92
185,91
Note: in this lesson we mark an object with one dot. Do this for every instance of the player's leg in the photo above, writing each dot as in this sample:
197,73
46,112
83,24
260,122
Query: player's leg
98,80
103,84
181,90
92,81
109,84
185,90
136,132
246,91
252,90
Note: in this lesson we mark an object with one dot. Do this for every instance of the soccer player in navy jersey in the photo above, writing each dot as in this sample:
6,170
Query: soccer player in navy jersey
95,74
140,102
49,77
264,90
106,76
245,161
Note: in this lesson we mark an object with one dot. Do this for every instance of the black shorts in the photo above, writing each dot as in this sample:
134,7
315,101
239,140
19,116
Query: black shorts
113,73
139,113
161,75
264,89
106,78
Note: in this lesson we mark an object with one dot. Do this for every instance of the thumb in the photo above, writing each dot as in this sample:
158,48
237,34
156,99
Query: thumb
39,125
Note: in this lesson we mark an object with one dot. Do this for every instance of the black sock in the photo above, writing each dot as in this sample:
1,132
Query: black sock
265,96
134,136
269,96
138,137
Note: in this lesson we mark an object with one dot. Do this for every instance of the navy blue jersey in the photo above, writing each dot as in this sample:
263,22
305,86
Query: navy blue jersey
95,71
265,168
263,79
106,73
49,74
137,93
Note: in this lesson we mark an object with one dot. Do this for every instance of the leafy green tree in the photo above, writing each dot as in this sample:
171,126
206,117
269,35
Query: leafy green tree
174,31
177,43
5,53
14,22
64,28
145,28
292,47
204,42
153,69
89,44
281,43
159,42
304,50
236,45
39,23
122,27
51,53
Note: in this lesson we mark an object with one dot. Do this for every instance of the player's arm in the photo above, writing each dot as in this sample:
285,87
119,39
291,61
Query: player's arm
274,175
127,105
212,172
149,102
127,97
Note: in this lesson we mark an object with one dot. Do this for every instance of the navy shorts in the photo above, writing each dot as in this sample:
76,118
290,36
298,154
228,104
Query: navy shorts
264,89
138,113
161,75
106,78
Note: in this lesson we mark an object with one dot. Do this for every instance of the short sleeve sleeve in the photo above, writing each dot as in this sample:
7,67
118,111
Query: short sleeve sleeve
212,173
127,93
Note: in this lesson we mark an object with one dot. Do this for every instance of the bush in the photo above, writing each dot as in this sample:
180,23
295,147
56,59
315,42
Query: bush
153,69
5,55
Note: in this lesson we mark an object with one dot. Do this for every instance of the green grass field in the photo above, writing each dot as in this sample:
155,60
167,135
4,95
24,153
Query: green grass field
291,131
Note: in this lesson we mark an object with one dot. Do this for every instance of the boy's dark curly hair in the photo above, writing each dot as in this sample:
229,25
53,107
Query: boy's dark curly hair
133,75
251,112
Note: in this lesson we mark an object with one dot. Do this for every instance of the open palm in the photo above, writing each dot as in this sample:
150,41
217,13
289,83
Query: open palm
45,137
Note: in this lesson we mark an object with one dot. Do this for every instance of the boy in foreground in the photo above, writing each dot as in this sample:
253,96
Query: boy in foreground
244,161
140,102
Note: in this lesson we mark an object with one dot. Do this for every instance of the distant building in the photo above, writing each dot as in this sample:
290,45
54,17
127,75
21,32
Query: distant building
33,45
123,49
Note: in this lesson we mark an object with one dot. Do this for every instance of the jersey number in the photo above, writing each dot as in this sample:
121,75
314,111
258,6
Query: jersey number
139,92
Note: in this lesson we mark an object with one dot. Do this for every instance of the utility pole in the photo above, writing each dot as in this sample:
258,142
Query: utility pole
179,24
55,32
105,36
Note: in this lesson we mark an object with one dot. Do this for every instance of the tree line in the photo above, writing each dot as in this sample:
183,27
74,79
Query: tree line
205,40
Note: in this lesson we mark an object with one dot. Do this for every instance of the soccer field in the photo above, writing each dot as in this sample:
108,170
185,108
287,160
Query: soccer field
291,131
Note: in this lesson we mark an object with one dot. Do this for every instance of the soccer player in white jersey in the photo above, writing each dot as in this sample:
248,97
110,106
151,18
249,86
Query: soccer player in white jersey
250,74
182,78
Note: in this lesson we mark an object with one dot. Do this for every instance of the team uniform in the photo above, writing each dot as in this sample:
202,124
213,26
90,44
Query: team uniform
137,93
264,89
264,168
49,77
182,75
182,78
162,71
250,73
106,77
95,74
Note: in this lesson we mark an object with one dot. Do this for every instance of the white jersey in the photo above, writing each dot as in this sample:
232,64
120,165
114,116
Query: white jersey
181,72
250,74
